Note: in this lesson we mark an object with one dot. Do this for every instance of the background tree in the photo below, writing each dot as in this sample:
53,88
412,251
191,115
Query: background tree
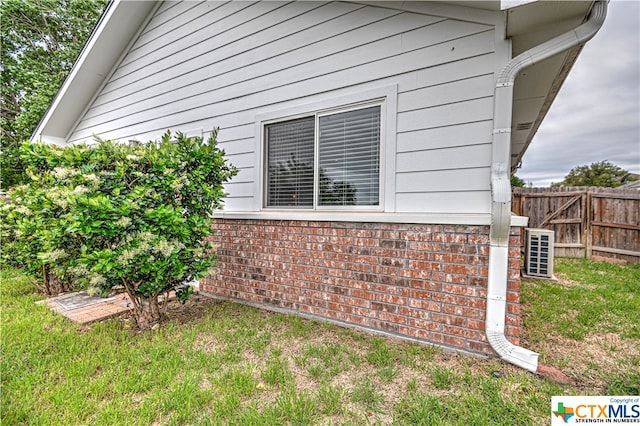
40,40
602,174
517,182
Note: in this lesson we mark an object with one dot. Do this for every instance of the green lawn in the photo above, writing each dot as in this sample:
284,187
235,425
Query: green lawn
588,324
224,363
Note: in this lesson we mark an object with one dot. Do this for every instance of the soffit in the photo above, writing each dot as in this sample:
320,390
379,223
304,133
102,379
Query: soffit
536,87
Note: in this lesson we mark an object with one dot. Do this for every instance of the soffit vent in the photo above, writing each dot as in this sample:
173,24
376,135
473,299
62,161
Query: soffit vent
524,126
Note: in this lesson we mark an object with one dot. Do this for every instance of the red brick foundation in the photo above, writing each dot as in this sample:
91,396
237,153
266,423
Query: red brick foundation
426,282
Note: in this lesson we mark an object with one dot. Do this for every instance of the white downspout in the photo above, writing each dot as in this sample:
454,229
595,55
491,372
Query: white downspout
501,184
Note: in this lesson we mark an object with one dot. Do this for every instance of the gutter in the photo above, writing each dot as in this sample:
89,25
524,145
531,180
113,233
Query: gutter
501,183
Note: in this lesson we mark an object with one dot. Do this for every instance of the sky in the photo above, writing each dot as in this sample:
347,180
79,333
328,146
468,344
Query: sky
596,114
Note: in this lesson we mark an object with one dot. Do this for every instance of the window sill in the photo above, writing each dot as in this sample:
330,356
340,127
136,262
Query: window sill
359,216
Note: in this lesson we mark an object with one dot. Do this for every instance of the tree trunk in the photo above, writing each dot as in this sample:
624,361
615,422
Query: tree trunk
147,312
53,285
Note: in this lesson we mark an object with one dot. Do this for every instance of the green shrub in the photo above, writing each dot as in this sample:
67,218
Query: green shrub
111,214
29,230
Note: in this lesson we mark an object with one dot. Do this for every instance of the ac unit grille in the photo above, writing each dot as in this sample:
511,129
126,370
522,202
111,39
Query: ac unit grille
539,253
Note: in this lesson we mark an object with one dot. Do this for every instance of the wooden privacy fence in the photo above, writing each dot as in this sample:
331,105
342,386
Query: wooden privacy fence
588,222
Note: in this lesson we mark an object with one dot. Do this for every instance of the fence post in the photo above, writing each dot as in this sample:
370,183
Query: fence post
588,227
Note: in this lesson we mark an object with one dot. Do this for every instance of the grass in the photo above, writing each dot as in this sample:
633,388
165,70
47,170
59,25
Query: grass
225,363
589,297
588,323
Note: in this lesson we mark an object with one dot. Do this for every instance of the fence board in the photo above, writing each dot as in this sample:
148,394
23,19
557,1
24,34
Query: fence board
587,221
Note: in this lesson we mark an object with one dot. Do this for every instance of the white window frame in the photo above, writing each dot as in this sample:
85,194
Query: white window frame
385,96
316,159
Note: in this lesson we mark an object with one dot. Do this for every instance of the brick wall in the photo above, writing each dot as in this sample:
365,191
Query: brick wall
422,281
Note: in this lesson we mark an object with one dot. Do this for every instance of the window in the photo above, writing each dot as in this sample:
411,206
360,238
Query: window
290,163
325,160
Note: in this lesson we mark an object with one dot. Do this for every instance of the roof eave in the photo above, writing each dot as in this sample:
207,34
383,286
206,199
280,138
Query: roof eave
119,25
536,89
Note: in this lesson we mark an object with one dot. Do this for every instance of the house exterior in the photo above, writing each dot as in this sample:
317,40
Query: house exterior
375,142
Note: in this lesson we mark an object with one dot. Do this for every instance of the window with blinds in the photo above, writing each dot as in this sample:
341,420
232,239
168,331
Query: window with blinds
339,166
290,163
349,158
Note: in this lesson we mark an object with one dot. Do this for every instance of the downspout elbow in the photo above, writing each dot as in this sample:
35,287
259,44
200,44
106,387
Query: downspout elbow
496,312
561,43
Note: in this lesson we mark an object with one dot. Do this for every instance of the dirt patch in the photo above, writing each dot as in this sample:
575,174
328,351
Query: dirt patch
175,311
566,282
192,309
208,344
586,360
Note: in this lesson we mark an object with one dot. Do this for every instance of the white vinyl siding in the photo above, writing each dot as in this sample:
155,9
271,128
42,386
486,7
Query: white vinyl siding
221,64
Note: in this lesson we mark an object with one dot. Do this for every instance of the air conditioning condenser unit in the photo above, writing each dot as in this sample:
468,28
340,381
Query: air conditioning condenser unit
538,254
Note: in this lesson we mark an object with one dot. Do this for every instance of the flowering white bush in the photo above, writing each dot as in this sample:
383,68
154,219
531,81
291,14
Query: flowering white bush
114,214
